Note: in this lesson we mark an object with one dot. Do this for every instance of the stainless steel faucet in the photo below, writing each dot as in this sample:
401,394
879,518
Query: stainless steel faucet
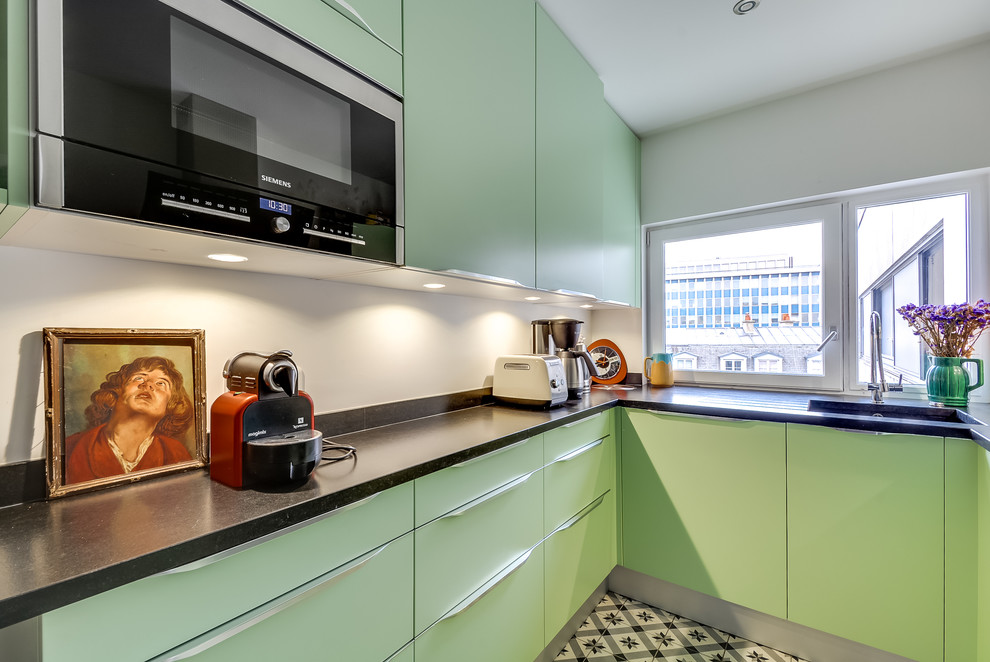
878,381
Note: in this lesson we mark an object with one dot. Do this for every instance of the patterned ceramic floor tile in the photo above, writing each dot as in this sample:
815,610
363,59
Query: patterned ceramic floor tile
624,630
740,650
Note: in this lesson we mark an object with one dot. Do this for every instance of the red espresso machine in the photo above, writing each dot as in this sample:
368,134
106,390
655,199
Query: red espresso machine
262,430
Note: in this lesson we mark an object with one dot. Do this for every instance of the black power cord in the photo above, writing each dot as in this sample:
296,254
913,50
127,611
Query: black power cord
343,451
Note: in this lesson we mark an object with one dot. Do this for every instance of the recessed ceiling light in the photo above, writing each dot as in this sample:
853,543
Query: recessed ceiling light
745,6
227,257
532,298
434,286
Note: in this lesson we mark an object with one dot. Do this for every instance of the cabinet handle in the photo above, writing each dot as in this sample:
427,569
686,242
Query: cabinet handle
575,293
488,497
357,18
474,460
581,515
580,451
579,422
210,639
485,277
488,586
227,553
705,417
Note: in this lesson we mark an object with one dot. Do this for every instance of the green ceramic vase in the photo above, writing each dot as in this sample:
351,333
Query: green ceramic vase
948,382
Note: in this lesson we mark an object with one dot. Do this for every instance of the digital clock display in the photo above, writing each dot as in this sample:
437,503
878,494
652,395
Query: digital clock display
276,206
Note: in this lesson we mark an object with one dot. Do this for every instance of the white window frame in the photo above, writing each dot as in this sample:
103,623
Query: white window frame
974,185
832,289
839,283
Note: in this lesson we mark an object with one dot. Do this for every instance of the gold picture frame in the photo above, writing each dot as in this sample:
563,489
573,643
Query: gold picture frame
122,405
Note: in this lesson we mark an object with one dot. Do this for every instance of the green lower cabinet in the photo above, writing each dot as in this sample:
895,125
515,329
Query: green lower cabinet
407,654
703,505
579,556
338,616
500,622
983,545
865,537
144,618
460,551
963,623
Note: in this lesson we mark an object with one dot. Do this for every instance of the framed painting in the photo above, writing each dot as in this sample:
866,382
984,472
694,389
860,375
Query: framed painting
122,405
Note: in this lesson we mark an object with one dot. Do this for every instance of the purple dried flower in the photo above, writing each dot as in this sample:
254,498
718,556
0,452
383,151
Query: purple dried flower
950,330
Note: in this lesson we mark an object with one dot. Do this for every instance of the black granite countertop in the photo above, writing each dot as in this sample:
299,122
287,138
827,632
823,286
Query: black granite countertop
57,552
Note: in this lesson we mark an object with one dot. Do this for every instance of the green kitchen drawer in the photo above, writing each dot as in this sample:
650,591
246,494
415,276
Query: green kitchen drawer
463,549
500,622
342,37
145,618
359,612
561,441
579,556
574,479
450,488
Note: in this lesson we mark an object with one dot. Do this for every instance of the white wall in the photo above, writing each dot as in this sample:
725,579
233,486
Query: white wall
916,120
357,345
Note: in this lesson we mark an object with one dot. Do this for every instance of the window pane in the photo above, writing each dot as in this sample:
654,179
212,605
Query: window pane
768,284
900,247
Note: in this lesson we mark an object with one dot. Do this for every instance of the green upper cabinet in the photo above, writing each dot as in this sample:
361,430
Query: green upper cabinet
569,170
329,26
470,183
865,537
381,18
620,220
704,505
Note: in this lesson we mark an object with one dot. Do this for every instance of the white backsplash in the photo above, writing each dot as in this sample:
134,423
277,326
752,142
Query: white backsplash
356,345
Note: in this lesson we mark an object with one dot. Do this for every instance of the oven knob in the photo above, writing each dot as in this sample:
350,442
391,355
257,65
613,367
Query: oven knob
280,224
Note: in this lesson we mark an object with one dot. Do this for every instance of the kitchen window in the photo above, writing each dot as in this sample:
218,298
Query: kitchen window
748,296
753,297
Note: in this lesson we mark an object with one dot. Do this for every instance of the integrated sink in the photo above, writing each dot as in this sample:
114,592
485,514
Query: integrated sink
885,410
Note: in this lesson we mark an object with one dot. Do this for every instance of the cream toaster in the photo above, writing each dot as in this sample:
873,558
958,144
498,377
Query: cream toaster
529,379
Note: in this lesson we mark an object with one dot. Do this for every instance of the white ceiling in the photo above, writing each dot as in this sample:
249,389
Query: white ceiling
665,63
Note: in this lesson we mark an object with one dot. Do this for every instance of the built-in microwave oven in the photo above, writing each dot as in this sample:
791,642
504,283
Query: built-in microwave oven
201,115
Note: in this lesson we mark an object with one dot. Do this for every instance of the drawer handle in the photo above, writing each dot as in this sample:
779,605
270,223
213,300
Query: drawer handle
473,460
580,451
209,640
579,422
227,553
508,487
581,515
487,587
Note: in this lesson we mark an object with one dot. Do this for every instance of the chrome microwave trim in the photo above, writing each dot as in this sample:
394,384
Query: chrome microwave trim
49,67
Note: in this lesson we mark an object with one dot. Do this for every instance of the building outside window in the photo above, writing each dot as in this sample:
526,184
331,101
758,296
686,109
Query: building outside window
768,362
732,362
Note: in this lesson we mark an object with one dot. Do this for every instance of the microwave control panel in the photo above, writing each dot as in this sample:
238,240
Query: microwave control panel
252,215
